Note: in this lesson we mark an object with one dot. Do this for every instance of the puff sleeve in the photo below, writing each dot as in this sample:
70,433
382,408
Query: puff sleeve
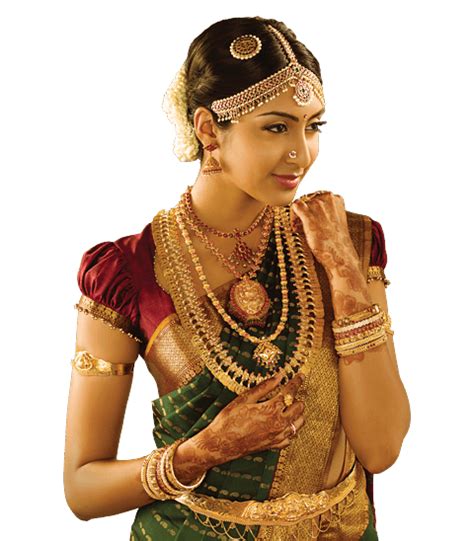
378,255
108,291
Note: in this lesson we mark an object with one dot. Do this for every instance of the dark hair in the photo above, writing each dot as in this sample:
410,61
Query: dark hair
213,73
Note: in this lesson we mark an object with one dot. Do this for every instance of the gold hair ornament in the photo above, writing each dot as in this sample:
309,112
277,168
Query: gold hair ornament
245,47
306,84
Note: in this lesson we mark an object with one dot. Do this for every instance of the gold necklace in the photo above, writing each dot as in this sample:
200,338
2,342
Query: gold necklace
242,253
248,299
195,321
265,353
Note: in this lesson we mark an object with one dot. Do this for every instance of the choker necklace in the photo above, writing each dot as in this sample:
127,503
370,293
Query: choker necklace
242,252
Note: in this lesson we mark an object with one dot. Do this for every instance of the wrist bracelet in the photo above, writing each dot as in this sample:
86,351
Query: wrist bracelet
171,476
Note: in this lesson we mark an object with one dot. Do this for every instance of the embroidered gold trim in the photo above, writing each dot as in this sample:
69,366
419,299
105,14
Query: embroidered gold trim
88,365
287,510
376,272
163,323
105,314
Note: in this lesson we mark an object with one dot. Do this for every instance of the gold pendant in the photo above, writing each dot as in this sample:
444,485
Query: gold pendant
249,302
267,354
242,253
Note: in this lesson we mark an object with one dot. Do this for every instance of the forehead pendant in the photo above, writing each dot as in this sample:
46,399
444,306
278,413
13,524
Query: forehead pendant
245,47
303,93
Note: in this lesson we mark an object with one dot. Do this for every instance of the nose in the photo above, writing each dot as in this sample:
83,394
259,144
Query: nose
300,152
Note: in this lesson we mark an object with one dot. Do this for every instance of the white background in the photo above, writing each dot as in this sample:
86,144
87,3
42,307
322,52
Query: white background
86,156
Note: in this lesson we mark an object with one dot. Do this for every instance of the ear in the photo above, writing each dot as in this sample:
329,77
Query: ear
204,126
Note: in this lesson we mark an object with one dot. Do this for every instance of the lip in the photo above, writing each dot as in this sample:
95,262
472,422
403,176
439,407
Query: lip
288,181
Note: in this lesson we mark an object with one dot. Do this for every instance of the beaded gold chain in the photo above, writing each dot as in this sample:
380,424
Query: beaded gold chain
266,352
192,315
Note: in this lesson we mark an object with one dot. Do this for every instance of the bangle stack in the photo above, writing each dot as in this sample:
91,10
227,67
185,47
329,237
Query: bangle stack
361,331
158,477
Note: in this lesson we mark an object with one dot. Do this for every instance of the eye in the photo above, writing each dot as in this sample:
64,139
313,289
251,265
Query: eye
315,125
276,127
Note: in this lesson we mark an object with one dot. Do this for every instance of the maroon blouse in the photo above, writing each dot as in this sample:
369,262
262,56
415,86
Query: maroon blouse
120,275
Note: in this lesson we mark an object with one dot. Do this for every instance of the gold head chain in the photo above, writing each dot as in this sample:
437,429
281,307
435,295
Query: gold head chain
306,84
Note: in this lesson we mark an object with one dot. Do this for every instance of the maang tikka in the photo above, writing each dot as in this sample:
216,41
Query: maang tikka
212,166
305,83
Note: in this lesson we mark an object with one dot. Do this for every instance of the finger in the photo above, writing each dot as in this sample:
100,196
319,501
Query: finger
293,384
262,389
289,388
295,410
282,444
288,434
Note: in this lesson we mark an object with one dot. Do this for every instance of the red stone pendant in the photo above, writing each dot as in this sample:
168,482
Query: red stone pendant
249,302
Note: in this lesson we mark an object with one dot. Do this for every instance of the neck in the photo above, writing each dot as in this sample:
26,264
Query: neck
223,205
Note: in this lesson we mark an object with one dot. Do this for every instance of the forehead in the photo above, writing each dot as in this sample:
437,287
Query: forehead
285,103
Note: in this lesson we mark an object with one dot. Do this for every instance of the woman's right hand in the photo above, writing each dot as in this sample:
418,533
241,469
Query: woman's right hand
249,424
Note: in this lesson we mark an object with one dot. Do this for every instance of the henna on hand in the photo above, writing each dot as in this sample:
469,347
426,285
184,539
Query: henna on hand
247,425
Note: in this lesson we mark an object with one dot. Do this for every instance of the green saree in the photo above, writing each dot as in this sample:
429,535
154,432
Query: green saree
201,387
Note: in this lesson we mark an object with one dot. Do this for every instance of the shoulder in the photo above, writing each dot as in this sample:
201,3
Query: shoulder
108,283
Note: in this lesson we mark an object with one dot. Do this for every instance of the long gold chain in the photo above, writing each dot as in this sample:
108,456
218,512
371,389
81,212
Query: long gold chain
195,321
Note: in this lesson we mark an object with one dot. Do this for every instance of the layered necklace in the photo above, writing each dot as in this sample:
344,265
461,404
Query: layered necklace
167,227
248,299
266,353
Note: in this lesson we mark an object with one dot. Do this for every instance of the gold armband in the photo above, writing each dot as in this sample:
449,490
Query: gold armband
88,365
376,272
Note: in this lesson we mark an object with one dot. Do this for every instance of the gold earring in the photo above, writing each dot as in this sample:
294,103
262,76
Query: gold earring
212,166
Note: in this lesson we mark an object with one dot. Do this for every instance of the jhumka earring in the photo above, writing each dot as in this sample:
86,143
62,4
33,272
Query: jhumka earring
212,166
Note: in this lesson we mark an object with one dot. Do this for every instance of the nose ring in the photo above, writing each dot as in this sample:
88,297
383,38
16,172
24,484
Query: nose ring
292,154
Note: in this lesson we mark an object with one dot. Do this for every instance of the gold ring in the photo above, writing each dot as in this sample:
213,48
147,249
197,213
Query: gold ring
288,399
293,427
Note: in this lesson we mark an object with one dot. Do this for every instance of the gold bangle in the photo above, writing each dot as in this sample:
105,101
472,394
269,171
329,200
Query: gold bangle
164,478
171,476
144,475
358,324
365,340
357,316
359,336
364,347
88,365
154,480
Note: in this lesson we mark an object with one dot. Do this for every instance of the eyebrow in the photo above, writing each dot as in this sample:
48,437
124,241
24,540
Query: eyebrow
292,117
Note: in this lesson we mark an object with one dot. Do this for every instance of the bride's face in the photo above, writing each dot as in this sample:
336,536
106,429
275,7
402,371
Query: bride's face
257,149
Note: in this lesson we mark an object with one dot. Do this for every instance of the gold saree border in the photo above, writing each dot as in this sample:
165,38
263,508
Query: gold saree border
160,327
360,229
107,315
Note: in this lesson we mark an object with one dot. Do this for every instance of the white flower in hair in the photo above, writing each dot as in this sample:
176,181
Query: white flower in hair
186,145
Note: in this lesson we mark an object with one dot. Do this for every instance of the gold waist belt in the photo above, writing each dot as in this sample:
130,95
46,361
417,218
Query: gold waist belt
286,510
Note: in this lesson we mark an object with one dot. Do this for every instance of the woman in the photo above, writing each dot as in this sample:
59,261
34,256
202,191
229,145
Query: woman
241,301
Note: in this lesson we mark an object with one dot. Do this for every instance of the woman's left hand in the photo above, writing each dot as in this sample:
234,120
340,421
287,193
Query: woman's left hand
324,221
